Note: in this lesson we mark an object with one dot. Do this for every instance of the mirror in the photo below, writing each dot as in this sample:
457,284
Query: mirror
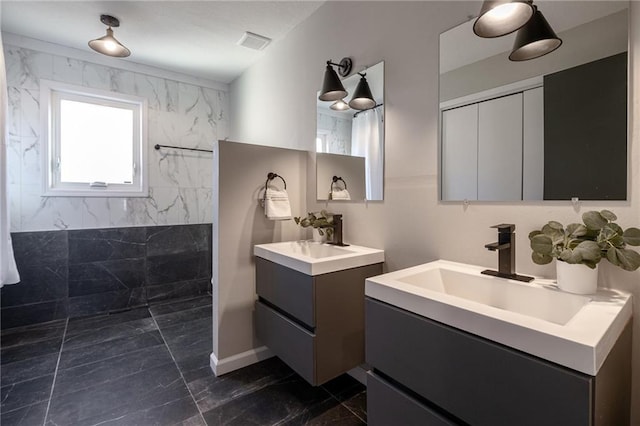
551,128
352,133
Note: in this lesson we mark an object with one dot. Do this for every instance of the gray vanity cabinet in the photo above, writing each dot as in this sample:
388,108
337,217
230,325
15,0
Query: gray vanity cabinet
315,324
428,373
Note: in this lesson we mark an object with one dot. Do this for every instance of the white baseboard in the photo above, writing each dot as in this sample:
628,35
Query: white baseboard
234,362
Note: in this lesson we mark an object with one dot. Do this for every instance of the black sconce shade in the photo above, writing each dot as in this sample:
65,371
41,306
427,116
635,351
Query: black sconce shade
362,97
535,39
332,88
501,17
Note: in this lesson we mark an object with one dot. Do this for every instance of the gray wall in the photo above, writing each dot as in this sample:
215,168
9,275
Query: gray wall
410,224
240,172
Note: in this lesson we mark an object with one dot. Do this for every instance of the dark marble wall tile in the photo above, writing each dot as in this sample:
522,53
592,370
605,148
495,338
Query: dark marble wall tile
26,416
163,240
16,316
178,290
90,245
33,248
178,267
39,282
106,276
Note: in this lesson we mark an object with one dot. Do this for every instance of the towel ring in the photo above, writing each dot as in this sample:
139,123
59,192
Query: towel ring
271,176
335,179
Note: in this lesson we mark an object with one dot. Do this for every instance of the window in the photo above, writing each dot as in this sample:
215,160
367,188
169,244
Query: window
94,142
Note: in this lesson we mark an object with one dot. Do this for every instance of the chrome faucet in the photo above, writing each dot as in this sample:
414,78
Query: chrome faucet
506,248
337,231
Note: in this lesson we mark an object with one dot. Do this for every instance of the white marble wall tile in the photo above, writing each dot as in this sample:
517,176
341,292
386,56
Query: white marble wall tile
172,91
170,206
26,67
138,212
121,81
67,70
39,213
14,160
96,76
14,116
31,173
14,192
151,88
30,113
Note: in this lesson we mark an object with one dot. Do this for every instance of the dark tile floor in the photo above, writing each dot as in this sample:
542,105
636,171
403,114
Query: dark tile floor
150,366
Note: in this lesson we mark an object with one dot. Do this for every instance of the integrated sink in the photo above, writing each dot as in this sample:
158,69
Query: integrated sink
571,330
313,258
533,301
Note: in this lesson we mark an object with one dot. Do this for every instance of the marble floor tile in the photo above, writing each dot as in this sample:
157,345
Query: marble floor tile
71,357
26,416
110,369
32,333
336,415
18,395
30,350
344,387
138,392
358,405
111,332
276,403
169,307
179,317
94,322
28,369
189,338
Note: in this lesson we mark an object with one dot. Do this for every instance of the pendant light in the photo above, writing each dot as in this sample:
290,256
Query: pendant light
362,97
535,39
339,105
332,88
501,17
108,45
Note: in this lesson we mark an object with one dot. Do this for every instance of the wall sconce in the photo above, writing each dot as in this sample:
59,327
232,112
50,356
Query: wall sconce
108,45
501,17
362,97
339,105
332,88
535,39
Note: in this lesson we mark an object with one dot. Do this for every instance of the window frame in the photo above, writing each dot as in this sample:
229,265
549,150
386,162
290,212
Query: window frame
51,94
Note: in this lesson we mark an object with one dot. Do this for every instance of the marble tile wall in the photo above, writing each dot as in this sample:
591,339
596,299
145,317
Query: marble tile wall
179,114
73,273
338,131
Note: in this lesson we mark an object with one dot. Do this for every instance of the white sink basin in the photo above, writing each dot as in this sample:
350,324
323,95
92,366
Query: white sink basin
314,258
533,301
571,330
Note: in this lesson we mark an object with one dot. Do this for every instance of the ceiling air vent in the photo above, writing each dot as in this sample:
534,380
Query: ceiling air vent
254,41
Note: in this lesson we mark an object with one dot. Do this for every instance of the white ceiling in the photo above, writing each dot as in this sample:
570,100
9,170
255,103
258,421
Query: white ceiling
197,38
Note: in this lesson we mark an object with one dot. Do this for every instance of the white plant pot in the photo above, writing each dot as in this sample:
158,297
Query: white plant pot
576,278
319,238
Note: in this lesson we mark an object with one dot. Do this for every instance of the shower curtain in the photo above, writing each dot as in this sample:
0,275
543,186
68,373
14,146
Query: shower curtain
367,140
8,271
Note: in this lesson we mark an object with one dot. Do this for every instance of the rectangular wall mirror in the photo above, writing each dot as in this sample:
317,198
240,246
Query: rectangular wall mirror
551,128
352,133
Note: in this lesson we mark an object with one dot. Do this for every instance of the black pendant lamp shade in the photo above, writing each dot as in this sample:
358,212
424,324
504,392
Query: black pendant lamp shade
501,17
332,88
362,97
108,45
535,39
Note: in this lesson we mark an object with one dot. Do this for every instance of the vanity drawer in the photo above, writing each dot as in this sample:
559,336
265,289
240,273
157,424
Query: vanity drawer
293,344
387,405
289,290
481,382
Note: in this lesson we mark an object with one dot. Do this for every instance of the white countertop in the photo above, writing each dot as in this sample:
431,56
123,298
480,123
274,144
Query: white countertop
579,341
313,258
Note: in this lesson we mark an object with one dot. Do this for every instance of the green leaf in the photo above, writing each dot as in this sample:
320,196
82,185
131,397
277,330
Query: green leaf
588,250
629,260
609,215
534,233
632,236
556,235
540,259
576,230
594,220
541,244
556,225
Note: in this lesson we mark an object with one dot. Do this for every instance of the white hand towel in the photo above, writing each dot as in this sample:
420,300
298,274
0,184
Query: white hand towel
340,194
276,204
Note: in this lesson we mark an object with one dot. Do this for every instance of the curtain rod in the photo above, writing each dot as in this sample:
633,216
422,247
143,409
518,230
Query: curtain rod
373,107
180,147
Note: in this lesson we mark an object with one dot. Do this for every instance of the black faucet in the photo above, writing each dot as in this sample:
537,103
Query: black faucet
506,248
337,231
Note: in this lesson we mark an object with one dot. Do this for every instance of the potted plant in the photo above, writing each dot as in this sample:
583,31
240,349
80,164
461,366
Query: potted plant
580,246
321,222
